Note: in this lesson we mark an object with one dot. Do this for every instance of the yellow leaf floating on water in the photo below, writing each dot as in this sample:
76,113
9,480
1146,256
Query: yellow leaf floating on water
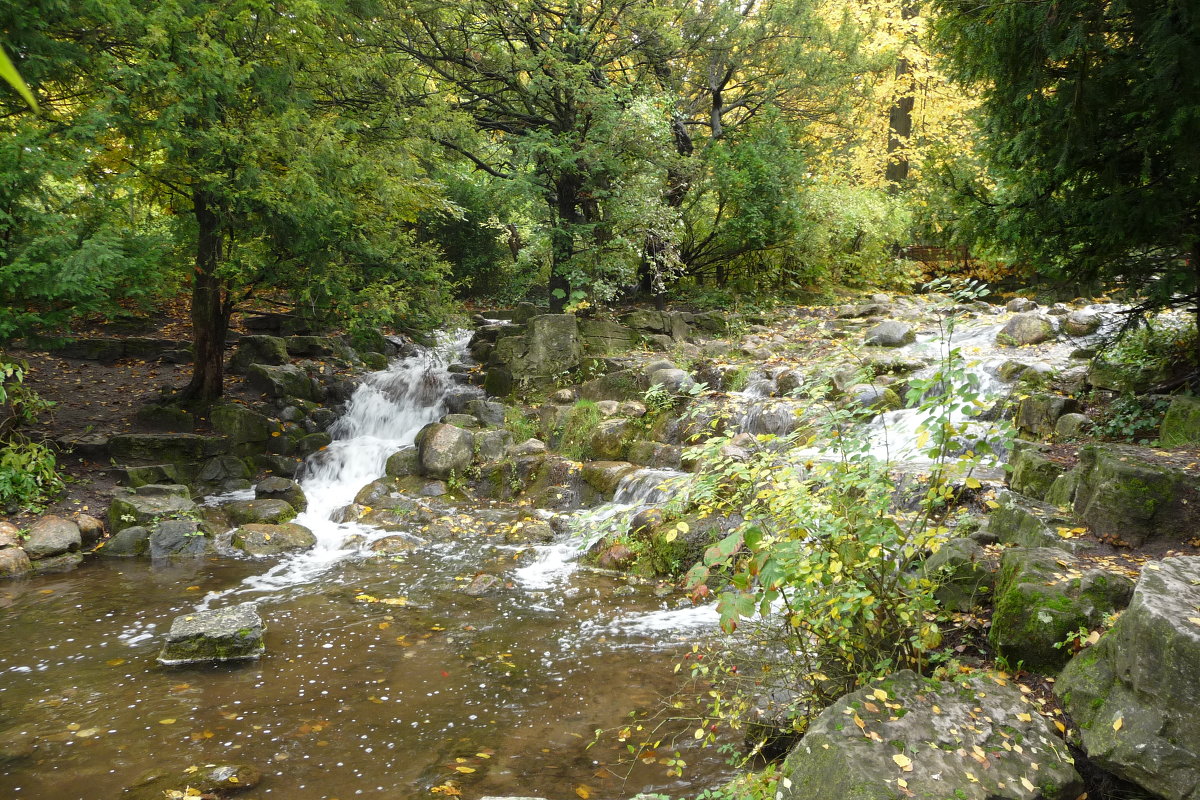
1117,723
465,770
115,662
583,792
903,762
167,721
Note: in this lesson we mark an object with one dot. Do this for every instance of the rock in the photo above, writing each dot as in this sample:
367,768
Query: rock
1020,304
890,333
131,542
872,397
276,488
313,443
674,381
164,448
444,449
1032,473
483,584
51,536
1181,425
282,382
1126,492
142,507
1082,323
243,424
608,408
657,323
460,420
10,535
834,761
529,447
390,545
1025,329
655,454
1142,673
14,563
603,476
258,349
492,445
1027,522
207,781
1125,378
222,634
1039,413
620,385
402,463
178,538
965,578
269,511
272,540
550,346
563,397
611,439
615,556
320,347
1071,426
91,530
530,530
605,337
489,413
1043,594
63,562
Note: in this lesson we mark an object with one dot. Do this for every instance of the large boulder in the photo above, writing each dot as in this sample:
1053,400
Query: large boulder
164,448
222,634
1136,495
1134,694
602,337
660,323
51,536
131,542
549,347
258,349
890,333
1026,522
14,563
603,476
963,573
671,379
402,463
1181,425
243,424
443,449
177,538
284,381
276,488
1023,329
1032,471
610,440
1038,414
1043,594
262,511
149,504
980,739
272,540
1082,323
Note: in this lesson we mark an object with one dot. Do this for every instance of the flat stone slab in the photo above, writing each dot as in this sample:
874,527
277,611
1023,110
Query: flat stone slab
222,634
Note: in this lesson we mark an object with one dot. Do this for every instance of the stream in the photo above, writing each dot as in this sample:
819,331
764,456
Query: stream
423,686
499,694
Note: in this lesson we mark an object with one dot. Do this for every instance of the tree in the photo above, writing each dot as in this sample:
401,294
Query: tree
230,121
1090,117
547,96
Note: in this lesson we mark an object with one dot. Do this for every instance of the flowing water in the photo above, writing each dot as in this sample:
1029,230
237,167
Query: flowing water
496,694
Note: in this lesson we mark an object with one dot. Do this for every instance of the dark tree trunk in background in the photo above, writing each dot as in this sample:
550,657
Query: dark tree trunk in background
900,120
562,239
211,307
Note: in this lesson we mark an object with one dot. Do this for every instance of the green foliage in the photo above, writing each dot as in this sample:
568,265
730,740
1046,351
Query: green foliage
575,437
1160,345
29,474
1132,418
825,545
1089,119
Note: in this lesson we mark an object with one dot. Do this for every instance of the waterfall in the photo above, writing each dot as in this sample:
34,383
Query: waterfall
384,415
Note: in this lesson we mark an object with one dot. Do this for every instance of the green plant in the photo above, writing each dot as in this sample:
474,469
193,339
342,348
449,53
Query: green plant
519,424
575,435
1133,418
657,399
824,545
29,474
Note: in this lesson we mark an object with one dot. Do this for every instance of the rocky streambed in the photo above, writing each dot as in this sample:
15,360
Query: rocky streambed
415,543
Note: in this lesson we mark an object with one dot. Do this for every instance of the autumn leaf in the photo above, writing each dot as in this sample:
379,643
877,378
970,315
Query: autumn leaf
583,792
1117,723
903,762
465,770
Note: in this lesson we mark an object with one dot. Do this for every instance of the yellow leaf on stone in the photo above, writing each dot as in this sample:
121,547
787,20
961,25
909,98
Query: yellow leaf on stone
1025,782
1194,620
880,694
1025,717
903,762
1061,728
1117,723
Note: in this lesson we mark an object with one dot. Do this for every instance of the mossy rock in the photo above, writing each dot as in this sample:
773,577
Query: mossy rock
273,540
1044,594
1126,492
1181,425
266,511
1033,473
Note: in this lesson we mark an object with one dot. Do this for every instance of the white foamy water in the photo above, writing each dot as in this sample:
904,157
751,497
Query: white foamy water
639,490
383,416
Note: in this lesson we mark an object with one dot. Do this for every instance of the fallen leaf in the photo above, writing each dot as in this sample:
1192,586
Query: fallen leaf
1025,782
1117,723
167,721
465,770
903,762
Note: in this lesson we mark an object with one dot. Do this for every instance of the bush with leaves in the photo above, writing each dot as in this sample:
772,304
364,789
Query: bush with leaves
28,469
826,556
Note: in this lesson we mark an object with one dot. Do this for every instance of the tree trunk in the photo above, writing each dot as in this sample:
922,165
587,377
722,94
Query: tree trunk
562,240
900,121
210,308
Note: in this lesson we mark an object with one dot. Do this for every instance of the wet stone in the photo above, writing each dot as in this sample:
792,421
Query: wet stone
223,634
